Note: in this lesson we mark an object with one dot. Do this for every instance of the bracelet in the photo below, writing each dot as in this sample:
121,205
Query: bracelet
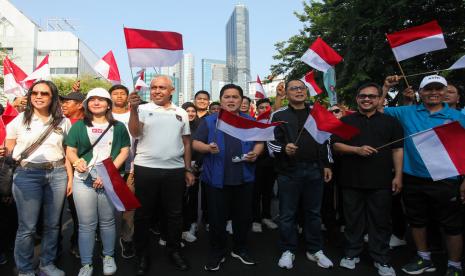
191,170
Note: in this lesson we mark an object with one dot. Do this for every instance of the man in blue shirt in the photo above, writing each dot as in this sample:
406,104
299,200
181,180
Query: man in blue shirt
423,196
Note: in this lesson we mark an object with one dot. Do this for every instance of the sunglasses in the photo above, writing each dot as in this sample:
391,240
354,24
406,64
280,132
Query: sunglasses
41,93
365,96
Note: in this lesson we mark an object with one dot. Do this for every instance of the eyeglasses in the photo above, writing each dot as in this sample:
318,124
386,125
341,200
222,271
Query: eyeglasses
365,96
296,88
41,93
335,111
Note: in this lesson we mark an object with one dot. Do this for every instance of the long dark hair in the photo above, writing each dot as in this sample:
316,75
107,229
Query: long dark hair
54,109
88,116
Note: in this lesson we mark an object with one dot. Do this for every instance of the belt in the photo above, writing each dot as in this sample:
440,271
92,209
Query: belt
44,165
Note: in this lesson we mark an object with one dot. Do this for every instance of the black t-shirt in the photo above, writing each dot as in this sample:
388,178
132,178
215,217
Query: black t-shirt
375,171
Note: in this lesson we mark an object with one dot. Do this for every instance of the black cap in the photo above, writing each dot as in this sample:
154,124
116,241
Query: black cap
77,96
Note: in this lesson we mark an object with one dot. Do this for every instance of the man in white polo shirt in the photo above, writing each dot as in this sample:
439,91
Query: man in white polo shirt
162,168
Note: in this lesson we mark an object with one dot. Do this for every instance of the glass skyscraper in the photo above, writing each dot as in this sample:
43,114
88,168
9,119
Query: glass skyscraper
207,73
238,47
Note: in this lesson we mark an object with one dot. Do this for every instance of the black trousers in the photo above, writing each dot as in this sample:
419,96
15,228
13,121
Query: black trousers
166,186
399,223
368,209
238,199
190,205
263,190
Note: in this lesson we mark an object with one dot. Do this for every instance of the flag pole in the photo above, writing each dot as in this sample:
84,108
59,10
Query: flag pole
401,139
403,74
130,66
425,73
300,134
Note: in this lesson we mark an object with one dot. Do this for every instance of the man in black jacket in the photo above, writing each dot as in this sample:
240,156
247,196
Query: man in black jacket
302,166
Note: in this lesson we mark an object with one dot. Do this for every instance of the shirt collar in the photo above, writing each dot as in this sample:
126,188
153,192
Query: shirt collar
444,111
171,107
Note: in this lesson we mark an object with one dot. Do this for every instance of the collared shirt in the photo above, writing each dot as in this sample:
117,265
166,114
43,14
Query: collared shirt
160,145
51,149
374,171
416,118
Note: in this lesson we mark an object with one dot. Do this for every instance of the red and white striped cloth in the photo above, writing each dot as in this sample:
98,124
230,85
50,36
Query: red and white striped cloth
320,56
108,68
259,91
42,72
309,80
12,78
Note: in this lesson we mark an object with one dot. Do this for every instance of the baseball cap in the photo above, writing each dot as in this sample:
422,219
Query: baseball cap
77,96
98,92
432,79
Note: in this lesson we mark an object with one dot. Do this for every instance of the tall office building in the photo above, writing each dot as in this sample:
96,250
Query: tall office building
238,47
207,72
187,77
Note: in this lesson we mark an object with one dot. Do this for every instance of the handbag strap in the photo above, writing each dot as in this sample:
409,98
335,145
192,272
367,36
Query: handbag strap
26,153
96,141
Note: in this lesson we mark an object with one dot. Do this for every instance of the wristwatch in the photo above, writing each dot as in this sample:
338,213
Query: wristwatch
190,169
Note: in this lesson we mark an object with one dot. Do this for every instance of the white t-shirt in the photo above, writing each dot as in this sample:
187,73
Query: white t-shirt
50,150
124,118
160,145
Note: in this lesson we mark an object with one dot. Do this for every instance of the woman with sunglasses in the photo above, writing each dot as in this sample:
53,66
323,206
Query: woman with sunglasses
90,141
40,180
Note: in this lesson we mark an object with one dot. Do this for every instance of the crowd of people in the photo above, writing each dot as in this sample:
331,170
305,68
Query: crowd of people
187,173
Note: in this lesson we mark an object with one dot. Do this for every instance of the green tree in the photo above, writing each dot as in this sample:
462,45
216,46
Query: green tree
65,84
356,30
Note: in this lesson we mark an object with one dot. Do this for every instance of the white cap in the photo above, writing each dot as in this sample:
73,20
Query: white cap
432,79
98,92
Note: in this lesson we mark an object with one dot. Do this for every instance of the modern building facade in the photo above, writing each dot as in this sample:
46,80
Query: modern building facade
238,47
207,71
187,86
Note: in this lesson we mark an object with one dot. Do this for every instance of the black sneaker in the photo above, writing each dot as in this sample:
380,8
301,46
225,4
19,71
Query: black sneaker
214,264
244,258
418,265
453,271
127,249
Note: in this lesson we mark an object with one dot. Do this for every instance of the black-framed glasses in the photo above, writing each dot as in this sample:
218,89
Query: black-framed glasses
367,96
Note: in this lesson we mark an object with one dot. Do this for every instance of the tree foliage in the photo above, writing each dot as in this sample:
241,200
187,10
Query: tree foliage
65,84
356,30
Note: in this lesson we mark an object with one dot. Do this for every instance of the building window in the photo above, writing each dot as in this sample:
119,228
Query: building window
42,52
64,71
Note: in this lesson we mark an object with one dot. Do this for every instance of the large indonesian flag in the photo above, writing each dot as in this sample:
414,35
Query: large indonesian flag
259,91
441,149
309,80
12,77
417,40
320,56
245,129
115,186
321,124
153,48
108,68
42,72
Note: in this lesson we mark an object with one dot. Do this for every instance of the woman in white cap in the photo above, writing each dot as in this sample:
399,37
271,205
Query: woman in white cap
90,141
35,139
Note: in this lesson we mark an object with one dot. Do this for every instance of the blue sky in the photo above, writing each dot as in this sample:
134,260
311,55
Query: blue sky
202,24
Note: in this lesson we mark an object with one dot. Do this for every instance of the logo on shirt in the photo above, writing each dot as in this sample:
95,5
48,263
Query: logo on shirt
58,130
179,118
97,130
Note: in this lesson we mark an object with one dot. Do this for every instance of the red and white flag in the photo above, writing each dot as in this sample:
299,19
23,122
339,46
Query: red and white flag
153,48
42,72
108,68
320,56
115,186
460,63
259,91
321,124
140,83
9,114
441,149
309,80
417,40
265,116
2,132
245,129
12,77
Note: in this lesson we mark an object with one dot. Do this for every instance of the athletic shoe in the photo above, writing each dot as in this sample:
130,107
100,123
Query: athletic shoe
453,271
188,236
51,270
162,242
86,270
243,257
127,249
418,265
214,264
349,263
320,258
385,269
109,265
286,260
257,227
193,228
395,242
269,223
229,228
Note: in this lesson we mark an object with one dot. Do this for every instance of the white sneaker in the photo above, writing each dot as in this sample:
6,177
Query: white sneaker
51,270
395,242
269,223
385,270
27,274
320,258
286,260
349,263
86,270
365,238
109,265
229,227
188,236
193,228
257,227
162,242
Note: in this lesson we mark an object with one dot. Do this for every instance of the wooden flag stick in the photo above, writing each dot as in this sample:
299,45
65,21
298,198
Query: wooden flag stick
425,73
403,75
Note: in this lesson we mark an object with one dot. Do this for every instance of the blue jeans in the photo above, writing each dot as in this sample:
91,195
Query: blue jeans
302,184
93,207
33,190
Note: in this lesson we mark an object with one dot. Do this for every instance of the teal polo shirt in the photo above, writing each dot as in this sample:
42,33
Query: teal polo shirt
416,118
